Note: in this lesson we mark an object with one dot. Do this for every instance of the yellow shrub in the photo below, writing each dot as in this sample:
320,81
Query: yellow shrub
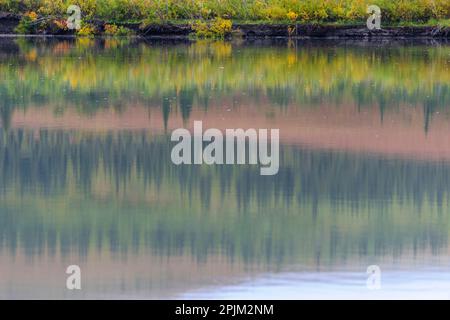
292,16
201,29
221,26
86,30
31,15
111,29
218,28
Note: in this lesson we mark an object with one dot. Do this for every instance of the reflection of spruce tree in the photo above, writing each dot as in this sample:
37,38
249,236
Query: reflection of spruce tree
47,162
205,97
295,204
6,112
205,190
280,95
108,64
361,94
186,97
429,106
165,112
382,106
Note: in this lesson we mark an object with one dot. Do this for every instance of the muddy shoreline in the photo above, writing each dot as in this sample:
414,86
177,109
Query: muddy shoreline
8,22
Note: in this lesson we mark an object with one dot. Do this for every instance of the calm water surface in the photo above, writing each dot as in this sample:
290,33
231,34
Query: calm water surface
86,176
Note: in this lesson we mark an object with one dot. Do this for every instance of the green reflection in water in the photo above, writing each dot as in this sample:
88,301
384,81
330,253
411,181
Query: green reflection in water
120,192
91,75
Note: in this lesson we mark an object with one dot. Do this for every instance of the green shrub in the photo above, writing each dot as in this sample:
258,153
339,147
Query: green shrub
28,24
123,31
10,6
113,30
274,13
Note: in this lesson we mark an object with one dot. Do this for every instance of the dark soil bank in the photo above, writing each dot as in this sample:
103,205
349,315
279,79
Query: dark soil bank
305,31
8,22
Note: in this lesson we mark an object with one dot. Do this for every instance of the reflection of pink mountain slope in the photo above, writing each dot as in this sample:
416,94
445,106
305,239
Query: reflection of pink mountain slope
342,128
103,275
148,276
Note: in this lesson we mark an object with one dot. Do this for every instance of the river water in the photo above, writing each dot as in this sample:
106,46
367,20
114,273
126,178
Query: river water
86,176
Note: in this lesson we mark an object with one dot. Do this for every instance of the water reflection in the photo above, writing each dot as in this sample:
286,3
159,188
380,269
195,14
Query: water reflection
86,176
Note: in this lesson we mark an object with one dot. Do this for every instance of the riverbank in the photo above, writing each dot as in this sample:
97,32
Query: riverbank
309,31
9,23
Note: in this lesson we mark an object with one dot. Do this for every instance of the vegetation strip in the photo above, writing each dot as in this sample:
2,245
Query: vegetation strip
219,19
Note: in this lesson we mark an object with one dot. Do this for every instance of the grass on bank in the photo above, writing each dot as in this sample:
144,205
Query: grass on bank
253,10
205,15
